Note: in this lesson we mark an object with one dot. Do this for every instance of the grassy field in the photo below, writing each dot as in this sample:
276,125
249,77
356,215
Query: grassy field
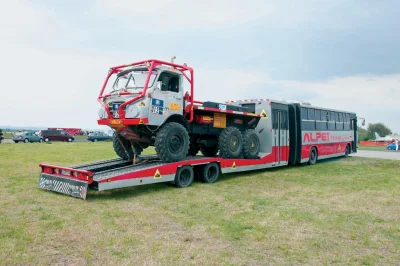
372,148
343,211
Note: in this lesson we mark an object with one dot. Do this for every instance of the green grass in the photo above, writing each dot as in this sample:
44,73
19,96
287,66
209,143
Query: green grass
343,211
372,148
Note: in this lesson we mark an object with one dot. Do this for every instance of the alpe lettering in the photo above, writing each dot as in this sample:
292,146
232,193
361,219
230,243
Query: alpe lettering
315,137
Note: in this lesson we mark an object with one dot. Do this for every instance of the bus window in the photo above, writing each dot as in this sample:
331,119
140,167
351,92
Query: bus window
311,114
324,115
318,115
304,113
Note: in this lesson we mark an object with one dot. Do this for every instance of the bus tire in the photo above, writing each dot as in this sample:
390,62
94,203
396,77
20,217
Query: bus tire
313,156
184,176
210,173
346,154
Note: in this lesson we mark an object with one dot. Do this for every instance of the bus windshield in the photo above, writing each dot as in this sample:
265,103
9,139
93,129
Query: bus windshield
133,80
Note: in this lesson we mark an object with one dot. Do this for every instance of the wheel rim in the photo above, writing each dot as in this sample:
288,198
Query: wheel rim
234,143
26,141
253,144
175,143
313,155
184,177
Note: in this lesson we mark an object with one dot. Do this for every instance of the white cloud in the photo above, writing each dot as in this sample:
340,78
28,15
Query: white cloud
49,87
177,15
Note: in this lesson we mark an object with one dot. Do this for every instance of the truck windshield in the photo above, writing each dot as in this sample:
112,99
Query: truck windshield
133,80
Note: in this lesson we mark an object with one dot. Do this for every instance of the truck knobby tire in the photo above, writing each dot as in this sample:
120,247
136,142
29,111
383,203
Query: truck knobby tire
209,151
251,144
120,150
231,143
172,142
194,147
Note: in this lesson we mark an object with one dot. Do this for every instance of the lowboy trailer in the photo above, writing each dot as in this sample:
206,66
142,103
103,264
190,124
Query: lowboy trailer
289,133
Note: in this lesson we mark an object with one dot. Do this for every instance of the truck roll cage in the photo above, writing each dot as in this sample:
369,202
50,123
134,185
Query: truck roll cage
150,64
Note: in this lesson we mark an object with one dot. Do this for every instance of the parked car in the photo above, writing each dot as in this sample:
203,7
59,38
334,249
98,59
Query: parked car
56,135
391,146
98,136
26,137
1,138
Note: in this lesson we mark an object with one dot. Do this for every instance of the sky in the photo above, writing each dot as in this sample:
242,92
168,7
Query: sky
54,55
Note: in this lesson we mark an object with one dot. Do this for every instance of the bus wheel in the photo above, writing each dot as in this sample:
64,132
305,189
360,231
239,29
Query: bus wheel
346,154
210,173
184,176
313,156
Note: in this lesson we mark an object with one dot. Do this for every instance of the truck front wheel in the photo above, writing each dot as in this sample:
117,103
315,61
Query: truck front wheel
172,142
122,147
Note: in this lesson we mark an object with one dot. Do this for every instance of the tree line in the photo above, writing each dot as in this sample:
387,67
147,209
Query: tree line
369,133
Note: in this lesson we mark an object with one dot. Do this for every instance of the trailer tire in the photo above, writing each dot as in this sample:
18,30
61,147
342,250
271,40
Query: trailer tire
210,173
209,151
120,150
313,156
172,142
231,143
194,147
251,144
184,176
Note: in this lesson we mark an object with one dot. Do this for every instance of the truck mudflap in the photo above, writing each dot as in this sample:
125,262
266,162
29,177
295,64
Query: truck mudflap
72,187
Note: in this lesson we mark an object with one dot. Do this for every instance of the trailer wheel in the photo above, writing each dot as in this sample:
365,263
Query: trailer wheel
209,151
313,156
172,142
120,145
251,144
194,147
184,176
231,142
210,173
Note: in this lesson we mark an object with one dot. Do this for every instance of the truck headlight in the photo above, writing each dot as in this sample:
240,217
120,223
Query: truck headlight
102,113
132,111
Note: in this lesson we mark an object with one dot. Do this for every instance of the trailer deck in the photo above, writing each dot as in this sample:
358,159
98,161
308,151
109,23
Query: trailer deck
118,173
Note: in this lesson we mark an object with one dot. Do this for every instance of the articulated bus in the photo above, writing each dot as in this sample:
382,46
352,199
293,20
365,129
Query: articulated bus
294,133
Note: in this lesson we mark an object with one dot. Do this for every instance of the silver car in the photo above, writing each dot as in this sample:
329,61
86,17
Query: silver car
26,137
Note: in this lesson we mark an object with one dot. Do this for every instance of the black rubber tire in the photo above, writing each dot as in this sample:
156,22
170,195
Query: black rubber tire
119,149
389,148
251,144
46,140
231,143
210,173
69,140
172,142
184,177
16,141
313,156
346,154
209,151
194,147
40,140
26,140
